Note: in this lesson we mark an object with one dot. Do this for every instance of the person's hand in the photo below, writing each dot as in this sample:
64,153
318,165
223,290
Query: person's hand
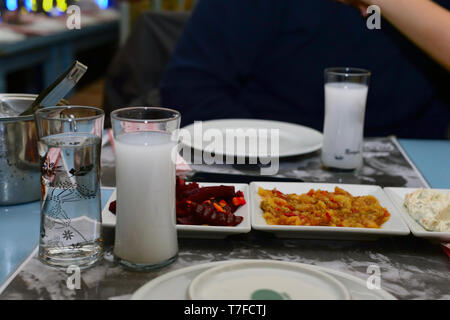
360,5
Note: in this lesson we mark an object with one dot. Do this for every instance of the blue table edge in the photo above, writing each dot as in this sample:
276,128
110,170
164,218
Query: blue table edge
106,193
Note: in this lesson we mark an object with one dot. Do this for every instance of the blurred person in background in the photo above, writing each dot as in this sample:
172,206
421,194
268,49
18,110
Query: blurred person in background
264,59
422,21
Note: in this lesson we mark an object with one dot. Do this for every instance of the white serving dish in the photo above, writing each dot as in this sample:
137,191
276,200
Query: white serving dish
294,139
266,280
397,195
203,232
174,285
395,226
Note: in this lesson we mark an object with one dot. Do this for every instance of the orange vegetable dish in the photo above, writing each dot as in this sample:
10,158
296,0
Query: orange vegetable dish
322,208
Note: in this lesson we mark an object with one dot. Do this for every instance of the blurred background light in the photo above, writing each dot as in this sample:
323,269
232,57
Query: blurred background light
61,5
11,5
28,5
47,5
103,4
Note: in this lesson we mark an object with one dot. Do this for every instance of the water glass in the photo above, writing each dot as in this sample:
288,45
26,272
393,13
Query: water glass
345,104
146,148
69,148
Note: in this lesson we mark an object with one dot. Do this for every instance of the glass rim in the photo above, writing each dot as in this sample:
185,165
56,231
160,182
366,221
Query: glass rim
41,113
347,71
114,114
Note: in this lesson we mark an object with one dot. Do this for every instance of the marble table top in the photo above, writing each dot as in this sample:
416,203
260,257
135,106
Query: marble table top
410,268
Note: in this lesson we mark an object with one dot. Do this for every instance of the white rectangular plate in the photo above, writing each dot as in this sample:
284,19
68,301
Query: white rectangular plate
397,196
203,232
393,227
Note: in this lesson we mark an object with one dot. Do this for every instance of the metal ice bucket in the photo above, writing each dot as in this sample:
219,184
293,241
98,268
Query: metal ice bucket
19,158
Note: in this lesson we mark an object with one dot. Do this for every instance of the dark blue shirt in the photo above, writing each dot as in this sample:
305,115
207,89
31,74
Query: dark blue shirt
265,59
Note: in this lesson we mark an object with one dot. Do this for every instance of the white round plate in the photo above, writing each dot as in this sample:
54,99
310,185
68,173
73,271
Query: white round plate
294,139
174,285
266,280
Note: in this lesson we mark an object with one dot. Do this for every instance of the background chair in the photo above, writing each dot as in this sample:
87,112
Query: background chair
134,75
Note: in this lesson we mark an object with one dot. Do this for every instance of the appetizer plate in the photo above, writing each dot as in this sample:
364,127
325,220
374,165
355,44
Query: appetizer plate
397,196
203,232
395,226
266,280
294,139
174,285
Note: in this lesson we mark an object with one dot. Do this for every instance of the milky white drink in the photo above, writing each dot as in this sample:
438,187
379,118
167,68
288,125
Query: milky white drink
345,105
145,175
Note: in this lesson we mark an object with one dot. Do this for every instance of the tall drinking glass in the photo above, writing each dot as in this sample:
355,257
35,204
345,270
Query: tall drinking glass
145,145
345,104
69,148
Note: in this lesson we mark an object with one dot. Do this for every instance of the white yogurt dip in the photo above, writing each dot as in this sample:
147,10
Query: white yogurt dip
430,208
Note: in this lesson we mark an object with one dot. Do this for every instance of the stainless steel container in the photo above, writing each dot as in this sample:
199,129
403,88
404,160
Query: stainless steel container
19,158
